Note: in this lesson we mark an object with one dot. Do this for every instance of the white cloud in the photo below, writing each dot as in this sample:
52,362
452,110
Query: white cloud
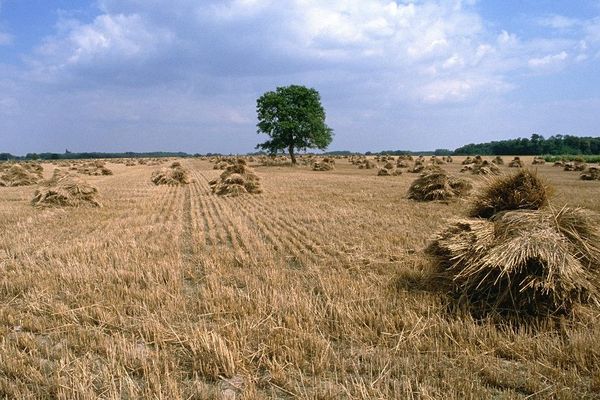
558,21
200,65
549,60
108,39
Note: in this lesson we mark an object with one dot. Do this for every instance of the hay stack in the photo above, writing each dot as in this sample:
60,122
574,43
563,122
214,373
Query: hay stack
236,180
274,161
538,161
516,163
389,172
422,168
521,190
592,174
417,168
558,163
20,174
575,166
366,164
527,262
467,161
498,160
221,165
326,164
437,161
65,190
485,168
172,176
437,185
94,168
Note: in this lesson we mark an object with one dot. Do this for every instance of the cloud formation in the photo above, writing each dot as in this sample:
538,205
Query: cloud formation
192,71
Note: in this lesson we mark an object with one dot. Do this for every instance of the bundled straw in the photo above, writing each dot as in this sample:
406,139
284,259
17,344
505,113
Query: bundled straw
389,172
236,180
498,160
485,168
521,190
65,190
516,163
535,262
437,185
592,174
20,174
326,164
94,168
174,175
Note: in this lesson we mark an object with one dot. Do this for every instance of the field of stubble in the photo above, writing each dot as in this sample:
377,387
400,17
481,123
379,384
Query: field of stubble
315,289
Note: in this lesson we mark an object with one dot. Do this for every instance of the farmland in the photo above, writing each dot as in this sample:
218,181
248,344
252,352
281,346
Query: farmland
316,288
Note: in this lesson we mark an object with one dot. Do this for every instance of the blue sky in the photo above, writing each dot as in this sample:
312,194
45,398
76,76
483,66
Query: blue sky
143,75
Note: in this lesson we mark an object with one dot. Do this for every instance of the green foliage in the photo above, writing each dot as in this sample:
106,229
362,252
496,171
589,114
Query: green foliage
93,155
294,119
581,158
536,145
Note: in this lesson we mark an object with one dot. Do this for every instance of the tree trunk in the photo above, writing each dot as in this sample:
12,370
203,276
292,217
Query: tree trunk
292,156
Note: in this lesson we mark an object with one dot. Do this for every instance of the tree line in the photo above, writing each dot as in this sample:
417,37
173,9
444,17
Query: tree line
536,145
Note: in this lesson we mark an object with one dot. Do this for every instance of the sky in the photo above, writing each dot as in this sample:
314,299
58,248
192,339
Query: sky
184,75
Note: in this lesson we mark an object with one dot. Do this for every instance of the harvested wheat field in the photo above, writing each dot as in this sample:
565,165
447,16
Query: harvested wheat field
319,287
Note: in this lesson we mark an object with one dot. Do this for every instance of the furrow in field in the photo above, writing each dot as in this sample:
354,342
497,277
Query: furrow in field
311,234
201,217
218,235
197,218
189,244
266,225
290,228
245,239
276,231
270,231
223,217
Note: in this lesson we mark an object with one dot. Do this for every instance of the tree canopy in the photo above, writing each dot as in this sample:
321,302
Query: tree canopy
294,119
536,145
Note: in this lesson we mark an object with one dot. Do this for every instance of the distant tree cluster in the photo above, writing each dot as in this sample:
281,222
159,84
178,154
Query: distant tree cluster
7,156
68,155
536,145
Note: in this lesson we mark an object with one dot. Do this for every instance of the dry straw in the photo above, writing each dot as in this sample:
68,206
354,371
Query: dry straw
516,163
485,168
437,185
237,179
498,160
174,175
94,168
326,164
592,174
532,262
20,174
65,190
521,190
389,172
525,258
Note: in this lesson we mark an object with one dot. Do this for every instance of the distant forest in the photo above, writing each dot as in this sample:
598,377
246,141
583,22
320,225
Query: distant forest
536,145
68,155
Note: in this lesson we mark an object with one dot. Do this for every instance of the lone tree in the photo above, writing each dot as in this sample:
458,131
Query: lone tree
294,119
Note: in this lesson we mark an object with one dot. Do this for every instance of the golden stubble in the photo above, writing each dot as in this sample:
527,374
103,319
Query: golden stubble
317,288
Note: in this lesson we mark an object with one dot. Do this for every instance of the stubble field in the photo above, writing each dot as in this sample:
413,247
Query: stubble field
316,289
